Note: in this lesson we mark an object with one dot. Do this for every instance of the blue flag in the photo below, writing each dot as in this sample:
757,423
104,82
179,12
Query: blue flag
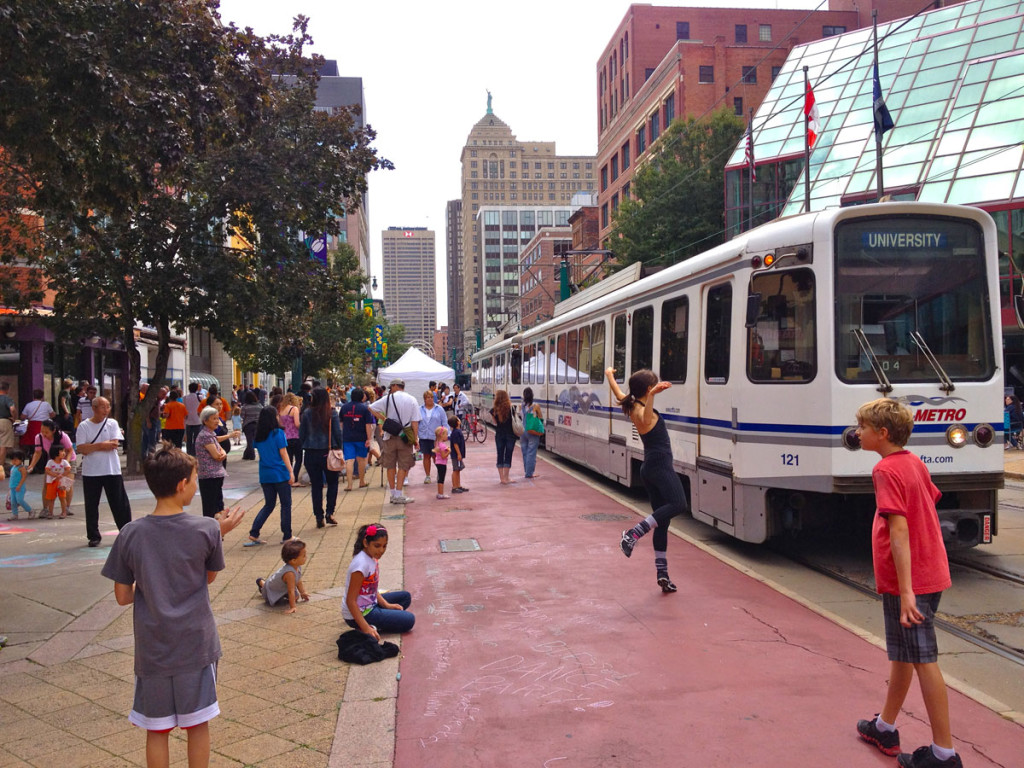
883,120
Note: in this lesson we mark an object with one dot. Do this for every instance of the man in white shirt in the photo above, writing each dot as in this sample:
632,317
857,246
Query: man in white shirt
98,442
192,423
460,403
396,452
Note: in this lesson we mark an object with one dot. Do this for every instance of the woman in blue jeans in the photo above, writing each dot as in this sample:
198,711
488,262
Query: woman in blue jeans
530,442
276,476
504,437
320,429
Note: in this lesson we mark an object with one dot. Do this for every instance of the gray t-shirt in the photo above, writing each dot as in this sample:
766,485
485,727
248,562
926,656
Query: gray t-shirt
7,408
167,557
274,589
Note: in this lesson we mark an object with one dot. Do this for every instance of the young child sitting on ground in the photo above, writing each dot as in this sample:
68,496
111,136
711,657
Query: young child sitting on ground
163,564
364,607
286,582
911,571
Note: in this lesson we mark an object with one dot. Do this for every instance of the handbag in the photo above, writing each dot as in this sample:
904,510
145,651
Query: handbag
517,423
335,456
21,427
534,424
220,431
392,426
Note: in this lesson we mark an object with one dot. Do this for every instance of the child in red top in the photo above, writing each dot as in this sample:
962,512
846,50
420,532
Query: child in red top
911,571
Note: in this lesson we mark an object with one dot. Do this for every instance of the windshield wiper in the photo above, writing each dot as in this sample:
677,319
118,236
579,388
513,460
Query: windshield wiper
883,381
945,383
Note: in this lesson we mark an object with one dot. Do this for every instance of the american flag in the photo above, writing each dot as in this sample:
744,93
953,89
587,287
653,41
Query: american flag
749,156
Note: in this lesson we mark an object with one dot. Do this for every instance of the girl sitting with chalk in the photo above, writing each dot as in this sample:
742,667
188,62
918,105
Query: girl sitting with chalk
364,608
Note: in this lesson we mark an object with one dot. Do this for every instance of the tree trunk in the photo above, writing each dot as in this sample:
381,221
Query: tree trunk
137,409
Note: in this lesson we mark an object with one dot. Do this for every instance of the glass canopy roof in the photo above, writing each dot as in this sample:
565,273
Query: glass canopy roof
953,80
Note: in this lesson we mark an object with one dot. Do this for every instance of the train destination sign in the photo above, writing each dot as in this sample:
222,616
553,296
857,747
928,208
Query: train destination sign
889,240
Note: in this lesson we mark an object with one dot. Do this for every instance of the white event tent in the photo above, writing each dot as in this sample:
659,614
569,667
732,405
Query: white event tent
417,370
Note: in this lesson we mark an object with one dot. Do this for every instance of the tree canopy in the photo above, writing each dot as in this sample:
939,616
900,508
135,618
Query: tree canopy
676,208
177,173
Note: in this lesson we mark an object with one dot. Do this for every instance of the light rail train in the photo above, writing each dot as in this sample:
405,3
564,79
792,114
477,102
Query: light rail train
772,341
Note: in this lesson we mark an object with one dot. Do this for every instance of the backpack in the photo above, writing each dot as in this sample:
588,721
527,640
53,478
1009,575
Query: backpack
357,647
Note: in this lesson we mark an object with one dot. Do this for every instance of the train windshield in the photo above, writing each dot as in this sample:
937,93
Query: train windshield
906,284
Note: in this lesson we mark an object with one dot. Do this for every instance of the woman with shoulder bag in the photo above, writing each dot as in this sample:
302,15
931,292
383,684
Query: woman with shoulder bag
533,424
320,432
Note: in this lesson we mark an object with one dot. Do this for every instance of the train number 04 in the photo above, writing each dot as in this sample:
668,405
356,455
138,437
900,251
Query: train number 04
790,459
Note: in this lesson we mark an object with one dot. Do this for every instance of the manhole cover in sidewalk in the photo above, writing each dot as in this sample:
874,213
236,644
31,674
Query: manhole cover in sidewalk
604,517
459,545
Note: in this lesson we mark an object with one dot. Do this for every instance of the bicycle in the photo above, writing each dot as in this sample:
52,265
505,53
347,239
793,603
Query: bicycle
475,428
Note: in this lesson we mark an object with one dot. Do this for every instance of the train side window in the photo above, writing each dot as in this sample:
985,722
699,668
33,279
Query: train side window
528,363
485,370
674,332
782,344
541,364
584,357
552,360
573,360
499,368
597,353
560,362
619,347
642,339
515,359
719,327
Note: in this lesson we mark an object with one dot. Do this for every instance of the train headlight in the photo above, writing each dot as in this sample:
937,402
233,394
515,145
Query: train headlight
851,439
984,435
956,435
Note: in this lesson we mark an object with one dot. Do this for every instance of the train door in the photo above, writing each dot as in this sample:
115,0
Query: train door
717,415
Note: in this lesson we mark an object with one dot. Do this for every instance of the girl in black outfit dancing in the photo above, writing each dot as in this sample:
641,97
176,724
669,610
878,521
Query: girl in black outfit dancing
659,476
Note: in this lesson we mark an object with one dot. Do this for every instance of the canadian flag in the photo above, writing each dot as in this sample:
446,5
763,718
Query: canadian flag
811,113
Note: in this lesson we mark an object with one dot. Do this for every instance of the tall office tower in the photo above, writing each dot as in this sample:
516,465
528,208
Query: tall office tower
500,171
453,263
409,283
334,91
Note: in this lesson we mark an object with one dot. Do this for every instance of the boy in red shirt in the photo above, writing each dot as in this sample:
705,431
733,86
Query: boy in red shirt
911,571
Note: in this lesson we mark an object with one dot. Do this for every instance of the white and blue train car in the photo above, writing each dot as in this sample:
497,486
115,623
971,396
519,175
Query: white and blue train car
772,341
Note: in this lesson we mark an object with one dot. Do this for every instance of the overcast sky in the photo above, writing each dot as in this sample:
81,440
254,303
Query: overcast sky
426,68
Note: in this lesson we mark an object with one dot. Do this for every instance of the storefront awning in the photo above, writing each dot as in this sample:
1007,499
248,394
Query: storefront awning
204,380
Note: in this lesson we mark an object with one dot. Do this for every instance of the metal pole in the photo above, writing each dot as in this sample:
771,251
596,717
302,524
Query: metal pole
880,183
807,149
750,170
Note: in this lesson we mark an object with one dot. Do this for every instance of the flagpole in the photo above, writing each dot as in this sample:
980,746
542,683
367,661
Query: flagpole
807,150
880,183
750,177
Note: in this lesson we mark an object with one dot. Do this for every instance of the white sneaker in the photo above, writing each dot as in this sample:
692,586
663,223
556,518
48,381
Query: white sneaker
427,480
402,500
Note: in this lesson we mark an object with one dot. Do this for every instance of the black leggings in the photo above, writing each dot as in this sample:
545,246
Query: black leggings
668,498
442,471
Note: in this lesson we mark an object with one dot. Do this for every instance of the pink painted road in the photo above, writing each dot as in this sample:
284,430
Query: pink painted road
549,648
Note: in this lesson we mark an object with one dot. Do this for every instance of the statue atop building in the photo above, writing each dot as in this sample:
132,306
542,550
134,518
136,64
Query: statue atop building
489,110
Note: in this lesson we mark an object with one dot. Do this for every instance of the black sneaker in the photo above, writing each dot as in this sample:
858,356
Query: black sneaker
923,757
666,583
259,585
887,741
94,542
627,543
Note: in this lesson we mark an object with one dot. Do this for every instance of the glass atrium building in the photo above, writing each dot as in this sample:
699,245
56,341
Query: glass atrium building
953,81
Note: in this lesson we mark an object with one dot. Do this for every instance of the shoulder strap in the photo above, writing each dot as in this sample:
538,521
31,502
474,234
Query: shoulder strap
99,431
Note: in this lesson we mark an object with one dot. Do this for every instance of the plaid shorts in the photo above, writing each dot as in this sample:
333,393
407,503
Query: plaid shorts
185,700
915,644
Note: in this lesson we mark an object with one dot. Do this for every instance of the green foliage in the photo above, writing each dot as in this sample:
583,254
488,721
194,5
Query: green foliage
176,174
677,208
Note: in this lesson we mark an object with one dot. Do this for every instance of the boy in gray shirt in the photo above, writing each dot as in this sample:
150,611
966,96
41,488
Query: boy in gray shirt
162,565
